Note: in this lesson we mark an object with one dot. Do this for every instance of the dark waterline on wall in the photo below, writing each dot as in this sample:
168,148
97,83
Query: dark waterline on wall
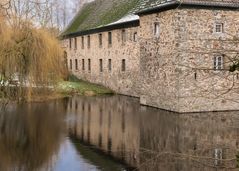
115,133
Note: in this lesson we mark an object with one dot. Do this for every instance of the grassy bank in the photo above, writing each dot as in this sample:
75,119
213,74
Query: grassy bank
64,88
76,86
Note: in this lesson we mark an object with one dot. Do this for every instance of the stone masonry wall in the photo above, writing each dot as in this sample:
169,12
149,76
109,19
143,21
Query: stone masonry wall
177,68
158,55
123,82
201,87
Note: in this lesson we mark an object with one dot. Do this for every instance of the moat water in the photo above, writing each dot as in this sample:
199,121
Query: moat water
115,133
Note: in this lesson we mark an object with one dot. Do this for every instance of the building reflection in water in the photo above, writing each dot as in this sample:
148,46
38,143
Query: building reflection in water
152,139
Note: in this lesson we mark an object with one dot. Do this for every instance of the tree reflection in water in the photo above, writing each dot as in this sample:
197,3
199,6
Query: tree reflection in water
30,135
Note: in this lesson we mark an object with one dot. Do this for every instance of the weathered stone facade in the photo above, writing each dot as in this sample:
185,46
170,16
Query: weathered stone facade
121,81
170,57
177,68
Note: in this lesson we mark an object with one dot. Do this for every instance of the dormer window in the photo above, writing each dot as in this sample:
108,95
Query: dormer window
219,27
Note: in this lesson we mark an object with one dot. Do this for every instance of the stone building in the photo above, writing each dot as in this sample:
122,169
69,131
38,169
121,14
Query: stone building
173,54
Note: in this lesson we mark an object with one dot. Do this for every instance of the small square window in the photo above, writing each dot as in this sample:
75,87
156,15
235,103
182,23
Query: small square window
219,27
218,62
156,29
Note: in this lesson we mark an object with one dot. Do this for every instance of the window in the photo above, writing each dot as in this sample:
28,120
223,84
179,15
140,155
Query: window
70,43
219,27
65,59
89,65
195,75
218,153
76,64
109,65
101,65
83,64
110,38
123,36
156,29
135,37
82,42
70,64
75,43
123,67
100,40
218,62
88,41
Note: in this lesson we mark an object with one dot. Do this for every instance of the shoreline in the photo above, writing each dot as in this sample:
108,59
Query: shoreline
65,89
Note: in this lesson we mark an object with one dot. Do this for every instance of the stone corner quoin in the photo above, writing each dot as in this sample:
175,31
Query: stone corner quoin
173,55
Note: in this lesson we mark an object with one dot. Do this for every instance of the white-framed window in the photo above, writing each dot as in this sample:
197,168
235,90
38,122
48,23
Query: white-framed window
219,27
218,62
218,153
156,29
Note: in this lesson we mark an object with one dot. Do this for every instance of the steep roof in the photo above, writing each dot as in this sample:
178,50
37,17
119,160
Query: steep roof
100,13
105,13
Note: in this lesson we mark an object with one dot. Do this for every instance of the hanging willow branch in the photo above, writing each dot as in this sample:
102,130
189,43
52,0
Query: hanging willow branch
29,58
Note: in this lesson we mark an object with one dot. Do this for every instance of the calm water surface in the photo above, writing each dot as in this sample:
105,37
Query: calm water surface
115,133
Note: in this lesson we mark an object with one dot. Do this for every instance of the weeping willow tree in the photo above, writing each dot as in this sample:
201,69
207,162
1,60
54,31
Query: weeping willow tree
30,58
